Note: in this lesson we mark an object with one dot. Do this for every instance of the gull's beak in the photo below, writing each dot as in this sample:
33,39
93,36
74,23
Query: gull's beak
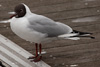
8,21
13,14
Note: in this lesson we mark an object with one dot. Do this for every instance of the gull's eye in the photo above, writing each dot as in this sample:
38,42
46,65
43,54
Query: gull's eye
21,10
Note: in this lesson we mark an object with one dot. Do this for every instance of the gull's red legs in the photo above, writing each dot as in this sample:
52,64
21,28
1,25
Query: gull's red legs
36,46
40,47
37,57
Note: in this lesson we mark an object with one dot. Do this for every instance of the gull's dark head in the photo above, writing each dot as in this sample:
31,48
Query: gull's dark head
20,10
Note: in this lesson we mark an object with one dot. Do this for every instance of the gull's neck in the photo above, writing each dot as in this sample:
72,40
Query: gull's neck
28,12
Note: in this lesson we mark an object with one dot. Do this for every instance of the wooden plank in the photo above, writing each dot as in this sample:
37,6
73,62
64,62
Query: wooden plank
4,64
82,21
14,51
65,7
73,14
75,52
92,28
38,3
8,61
73,48
11,55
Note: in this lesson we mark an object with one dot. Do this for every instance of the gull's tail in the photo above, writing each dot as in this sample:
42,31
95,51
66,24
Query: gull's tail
76,35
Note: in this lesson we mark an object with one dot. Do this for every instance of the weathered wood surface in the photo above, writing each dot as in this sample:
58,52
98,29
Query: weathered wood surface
62,53
16,56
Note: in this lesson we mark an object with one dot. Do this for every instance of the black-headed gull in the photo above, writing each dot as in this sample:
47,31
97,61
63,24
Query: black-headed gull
38,29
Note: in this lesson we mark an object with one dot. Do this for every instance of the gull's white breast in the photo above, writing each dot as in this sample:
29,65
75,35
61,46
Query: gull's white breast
20,27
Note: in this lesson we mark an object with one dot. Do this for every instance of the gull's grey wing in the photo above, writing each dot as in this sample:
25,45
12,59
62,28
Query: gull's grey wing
47,26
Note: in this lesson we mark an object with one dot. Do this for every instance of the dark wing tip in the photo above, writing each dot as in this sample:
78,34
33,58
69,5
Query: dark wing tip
92,37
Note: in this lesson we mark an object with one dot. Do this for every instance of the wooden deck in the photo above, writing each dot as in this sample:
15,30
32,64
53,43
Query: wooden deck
82,15
15,56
